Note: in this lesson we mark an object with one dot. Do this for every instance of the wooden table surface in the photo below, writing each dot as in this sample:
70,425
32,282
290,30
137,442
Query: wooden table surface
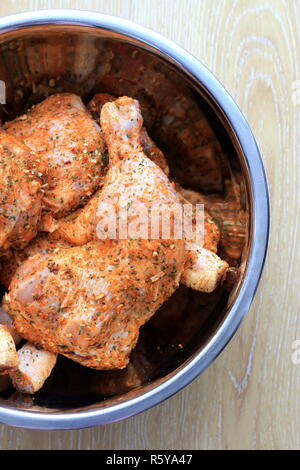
249,397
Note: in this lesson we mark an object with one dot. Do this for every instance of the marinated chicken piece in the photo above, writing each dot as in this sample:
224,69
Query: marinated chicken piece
20,194
89,302
34,367
5,382
29,367
204,271
228,215
150,149
8,354
6,320
69,148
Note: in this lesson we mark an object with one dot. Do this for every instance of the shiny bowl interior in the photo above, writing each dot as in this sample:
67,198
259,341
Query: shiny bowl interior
198,126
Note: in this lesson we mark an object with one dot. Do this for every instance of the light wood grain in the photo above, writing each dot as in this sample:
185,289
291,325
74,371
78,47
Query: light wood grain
249,398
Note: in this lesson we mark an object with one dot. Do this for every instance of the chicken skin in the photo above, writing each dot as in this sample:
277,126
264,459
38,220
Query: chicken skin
69,149
118,283
20,194
150,149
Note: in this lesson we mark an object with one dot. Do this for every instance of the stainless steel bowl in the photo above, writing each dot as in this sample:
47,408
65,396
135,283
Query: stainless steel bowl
197,124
